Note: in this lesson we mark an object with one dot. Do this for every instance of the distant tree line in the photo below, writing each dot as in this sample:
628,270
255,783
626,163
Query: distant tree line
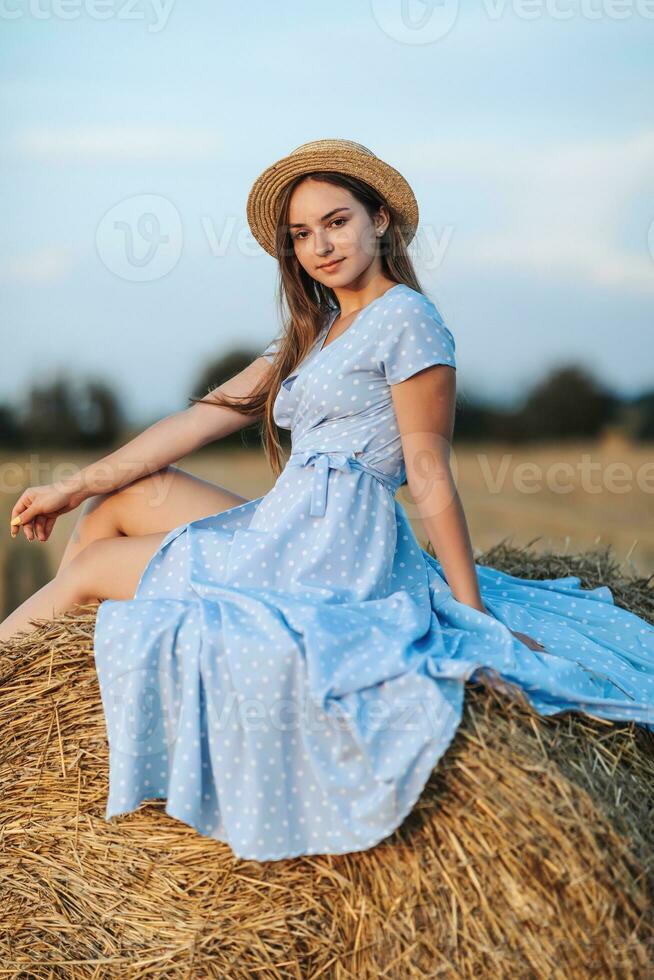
62,413
568,404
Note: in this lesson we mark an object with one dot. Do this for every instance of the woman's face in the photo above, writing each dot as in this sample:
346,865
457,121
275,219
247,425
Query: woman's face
327,224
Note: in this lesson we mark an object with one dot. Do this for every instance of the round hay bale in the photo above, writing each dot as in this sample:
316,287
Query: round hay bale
529,854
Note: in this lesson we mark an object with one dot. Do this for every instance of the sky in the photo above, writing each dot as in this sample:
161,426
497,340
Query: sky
133,131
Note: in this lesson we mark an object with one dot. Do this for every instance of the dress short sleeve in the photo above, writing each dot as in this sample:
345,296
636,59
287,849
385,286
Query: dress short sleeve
414,337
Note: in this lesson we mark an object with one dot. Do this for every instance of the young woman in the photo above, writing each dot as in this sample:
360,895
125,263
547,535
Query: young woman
286,671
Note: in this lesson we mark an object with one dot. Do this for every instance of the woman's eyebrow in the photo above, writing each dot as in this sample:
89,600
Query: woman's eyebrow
324,217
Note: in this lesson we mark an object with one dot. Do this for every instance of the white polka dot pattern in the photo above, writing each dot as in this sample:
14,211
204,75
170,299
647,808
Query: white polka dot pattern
415,338
290,670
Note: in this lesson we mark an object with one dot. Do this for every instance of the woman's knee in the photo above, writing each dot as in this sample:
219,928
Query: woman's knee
97,518
135,505
79,575
102,515
110,568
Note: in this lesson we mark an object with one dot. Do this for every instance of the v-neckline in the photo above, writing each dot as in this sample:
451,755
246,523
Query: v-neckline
358,316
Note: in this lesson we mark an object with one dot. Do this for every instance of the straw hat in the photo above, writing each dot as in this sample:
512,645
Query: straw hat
343,156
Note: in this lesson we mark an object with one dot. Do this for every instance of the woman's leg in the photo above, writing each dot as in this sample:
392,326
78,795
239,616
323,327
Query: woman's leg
109,568
159,502
142,512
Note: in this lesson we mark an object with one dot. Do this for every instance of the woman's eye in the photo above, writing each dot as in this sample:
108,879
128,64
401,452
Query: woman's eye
299,233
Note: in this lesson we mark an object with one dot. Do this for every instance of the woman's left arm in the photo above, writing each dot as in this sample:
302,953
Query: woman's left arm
417,356
425,408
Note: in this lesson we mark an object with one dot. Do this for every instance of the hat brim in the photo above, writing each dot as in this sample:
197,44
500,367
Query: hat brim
263,199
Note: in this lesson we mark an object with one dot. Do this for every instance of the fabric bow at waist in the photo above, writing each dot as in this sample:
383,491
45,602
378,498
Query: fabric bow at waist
322,461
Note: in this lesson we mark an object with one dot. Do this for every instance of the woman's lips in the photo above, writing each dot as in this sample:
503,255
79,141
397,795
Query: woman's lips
331,266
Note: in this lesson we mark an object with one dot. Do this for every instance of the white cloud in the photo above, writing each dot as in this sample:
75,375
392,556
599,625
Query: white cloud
42,267
562,205
117,143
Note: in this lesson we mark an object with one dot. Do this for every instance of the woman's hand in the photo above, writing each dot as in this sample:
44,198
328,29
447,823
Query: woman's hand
37,509
523,637
529,641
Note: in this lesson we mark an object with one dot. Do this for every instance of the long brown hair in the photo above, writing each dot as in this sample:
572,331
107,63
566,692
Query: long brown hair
304,303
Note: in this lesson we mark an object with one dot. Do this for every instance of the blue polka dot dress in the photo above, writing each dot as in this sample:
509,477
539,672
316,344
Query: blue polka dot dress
290,671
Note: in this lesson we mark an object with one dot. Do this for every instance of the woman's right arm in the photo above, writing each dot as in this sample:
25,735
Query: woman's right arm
163,442
171,438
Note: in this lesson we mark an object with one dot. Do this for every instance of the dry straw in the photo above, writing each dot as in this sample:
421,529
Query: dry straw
529,853
342,156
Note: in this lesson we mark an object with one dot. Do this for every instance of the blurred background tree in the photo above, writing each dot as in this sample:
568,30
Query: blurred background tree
10,430
70,413
568,404
637,416
219,371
